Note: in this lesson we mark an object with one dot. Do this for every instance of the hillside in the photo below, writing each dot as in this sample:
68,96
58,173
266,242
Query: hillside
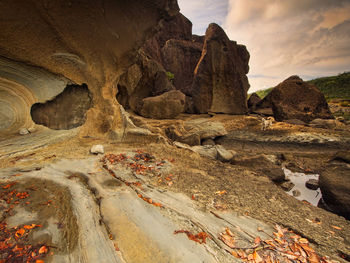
334,87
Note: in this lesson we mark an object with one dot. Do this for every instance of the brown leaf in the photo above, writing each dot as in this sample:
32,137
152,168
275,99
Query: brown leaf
313,258
228,231
228,240
20,232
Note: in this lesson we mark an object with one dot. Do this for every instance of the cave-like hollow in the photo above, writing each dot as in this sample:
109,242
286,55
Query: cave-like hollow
66,111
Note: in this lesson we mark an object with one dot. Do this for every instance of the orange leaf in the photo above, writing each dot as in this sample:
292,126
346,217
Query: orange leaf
221,192
313,258
257,240
228,240
303,241
228,231
235,254
19,233
337,227
257,258
116,247
39,261
43,250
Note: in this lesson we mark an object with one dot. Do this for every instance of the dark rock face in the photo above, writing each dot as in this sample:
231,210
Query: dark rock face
335,187
253,100
146,78
166,106
180,57
66,111
220,84
195,63
177,27
296,99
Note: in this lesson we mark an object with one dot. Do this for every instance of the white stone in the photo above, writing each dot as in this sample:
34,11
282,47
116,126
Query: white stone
223,154
96,149
23,131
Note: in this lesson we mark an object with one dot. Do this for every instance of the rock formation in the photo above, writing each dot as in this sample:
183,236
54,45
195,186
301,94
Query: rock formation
166,106
296,99
66,111
220,83
192,63
82,42
253,100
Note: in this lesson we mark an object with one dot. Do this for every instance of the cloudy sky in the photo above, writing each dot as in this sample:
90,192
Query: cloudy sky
309,38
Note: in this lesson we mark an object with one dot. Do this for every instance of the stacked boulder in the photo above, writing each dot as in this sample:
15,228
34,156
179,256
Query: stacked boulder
210,71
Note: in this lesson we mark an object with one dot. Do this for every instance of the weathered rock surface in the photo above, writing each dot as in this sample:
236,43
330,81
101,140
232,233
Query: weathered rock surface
335,187
94,46
220,84
166,106
312,184
206,151
296,99
145,78
323,123
223,154
65,111
23,131
180,57
193,132
263,165
253,100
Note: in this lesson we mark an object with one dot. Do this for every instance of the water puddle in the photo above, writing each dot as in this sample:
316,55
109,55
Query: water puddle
299,180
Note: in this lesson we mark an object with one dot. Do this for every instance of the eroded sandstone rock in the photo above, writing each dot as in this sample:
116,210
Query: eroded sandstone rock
88,42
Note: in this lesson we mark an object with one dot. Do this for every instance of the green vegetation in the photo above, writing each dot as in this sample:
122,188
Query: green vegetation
262,93
170,75
335,87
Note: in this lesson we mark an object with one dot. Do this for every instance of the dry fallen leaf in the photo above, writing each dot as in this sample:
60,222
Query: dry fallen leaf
337,227
257,240
43,250
227,239
20,232
257,257
220,192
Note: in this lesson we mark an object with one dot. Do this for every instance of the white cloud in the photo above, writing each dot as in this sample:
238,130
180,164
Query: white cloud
204,12
309,38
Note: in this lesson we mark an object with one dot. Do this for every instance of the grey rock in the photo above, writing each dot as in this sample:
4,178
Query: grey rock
208,142
312,184
23,131
205,128
96,149
223,154
296,193
287,186
206,151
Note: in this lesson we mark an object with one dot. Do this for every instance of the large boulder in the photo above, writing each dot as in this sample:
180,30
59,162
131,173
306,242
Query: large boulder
145,78
335,187
220,83
296,99
165,106
193,132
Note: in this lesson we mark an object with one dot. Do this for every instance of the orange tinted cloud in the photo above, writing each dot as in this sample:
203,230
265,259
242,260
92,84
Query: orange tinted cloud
306,37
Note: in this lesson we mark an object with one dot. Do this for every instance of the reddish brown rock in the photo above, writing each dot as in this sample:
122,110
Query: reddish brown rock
166,106
296,99
220,84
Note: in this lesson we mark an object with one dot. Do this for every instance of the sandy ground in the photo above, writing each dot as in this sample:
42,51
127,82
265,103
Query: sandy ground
57,167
